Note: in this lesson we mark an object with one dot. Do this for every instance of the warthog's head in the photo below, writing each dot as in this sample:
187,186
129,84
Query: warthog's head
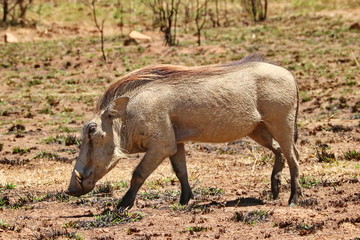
100,149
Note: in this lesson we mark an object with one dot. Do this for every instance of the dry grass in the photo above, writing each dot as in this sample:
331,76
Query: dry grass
50,87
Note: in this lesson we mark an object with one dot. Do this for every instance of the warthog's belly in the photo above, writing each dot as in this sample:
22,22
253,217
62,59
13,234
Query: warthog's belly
221,125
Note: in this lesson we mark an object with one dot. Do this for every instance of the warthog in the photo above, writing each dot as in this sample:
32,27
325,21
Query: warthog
157,109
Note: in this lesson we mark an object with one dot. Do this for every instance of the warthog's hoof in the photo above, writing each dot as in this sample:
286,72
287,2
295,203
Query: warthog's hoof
185,197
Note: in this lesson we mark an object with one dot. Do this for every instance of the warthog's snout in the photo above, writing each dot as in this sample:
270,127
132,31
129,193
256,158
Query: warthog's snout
77,193
73,193
79,186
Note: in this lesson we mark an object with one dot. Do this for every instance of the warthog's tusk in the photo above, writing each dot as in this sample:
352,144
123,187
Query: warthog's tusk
78,176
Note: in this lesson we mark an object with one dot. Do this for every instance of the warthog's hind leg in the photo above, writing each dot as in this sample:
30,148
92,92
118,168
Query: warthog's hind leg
277,170
178,163
283,133
262,136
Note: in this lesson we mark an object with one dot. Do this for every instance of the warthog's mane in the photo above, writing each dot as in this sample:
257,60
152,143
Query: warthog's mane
166,72
255,57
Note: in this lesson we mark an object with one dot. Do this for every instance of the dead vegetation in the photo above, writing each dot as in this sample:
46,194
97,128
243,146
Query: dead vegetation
50,87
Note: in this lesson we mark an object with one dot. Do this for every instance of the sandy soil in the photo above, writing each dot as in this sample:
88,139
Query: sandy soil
48,92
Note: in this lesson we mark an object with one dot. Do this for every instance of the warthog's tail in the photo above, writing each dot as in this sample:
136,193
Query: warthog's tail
296,115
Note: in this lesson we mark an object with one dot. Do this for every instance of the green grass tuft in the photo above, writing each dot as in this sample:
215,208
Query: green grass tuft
352,155
252,217
178,207
309,182
194,229
9,186
63,140
21,151
212,191
3,225
324,155
52,157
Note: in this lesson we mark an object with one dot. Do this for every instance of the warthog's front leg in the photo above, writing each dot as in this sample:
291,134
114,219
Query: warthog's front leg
151,160
178,163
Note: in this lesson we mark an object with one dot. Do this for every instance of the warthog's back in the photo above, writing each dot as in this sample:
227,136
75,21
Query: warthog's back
217,108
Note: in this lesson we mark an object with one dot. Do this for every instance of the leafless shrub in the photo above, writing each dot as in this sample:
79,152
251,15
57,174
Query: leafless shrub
257,8
16,10
200,17
99,26
214,15
187,17
165,15
120,14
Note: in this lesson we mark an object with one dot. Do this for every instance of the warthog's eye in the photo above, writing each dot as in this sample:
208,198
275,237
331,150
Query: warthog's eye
92,129
111,115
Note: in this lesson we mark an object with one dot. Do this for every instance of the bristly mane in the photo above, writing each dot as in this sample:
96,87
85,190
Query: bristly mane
254,57
148,74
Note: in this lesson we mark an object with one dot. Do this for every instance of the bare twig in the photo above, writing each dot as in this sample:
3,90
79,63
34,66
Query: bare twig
217,13
120,7
355,58
200,18
99,27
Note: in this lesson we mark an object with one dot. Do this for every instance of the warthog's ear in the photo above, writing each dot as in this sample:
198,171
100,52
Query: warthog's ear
117,108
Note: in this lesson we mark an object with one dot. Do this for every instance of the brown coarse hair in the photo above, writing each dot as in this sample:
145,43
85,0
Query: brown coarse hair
166,72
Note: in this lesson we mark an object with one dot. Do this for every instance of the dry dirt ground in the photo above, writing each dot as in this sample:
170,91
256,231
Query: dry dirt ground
49,88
